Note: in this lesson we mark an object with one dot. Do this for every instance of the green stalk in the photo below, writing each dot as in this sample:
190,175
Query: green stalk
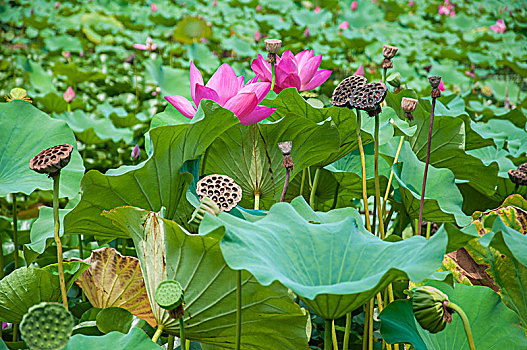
2,260
274,76
327,335
466,324
182,337
377,186
57,239
69,107
390,179
363,168
365,330
171,342
302,182
136,89
239,308
314,189
157,334
345,345
123,246
15,231
384,75
370,327
81,250
334,336
428,227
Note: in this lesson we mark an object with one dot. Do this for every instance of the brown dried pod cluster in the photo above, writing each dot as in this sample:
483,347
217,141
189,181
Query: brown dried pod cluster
434,82
272,46
519,175
369,97
388,52
221,189
285,148
51,160
408,105
343,92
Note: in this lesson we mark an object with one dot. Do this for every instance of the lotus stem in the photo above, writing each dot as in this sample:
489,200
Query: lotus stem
123,246
69,107
390,179
239,308
256,201
157,334
421,205
136,89
377,186
314,189
466,324
334,336
302,182
15,231
171,342
2,260
428,227
365,330
57,239
81,250
370,326
327,335
363,168
15,331
274,76
345,344
286,184
182,337
384,73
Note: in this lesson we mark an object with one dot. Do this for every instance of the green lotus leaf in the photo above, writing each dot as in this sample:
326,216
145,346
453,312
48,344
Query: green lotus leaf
38,77
443,200
171,81
135,339
113,319
328,259
481,304
270,318
25,132
156,183
63,43
27,286
74,74
192,29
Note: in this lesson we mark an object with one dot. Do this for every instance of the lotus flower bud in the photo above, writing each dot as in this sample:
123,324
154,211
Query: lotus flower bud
57,5
257,36
430,308
408,105
153,7
273,45
354,6
136,153
306,32
66,54
69,95
389,51
394,80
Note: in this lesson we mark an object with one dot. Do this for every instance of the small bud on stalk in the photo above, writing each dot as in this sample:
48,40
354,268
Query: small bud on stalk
287,163
272,46
408,105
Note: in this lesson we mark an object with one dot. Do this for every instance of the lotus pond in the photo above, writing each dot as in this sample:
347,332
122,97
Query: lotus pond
236,174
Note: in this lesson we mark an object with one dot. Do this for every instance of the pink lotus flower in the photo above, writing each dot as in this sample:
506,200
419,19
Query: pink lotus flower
441,86
215,3
66,54
257,36
306,32
411,3
229,91
317,9
148,47
258,8
446,9
57,5
354,6
153,7
300,71
344,25
499,27
69,95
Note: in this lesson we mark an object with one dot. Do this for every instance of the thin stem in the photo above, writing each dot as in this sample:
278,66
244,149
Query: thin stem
15,331
123,246
182,337
374,215
363,167
466,324
136,89
2,260
15,231
390,179
274,76
428,227
81,250
385,71
314,189
171,342
157,334
57,239
302,182
256,201
377,186
334,336
286,184
421,205
345,344
370,327
327,335
239,308
365,330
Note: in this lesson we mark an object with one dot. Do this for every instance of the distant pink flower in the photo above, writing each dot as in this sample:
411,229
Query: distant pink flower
66,54
354,6
81,54
57,5
441,86
344,25
69,95
258,8
31,11
447,9
499,27
299,71
317,9
5,325
411,3
215,3
359,71
257,36
136,153
153,7
229,91
470,73
306,32
148,47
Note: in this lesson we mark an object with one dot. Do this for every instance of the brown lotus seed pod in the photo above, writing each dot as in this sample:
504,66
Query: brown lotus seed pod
518,177
408,105
434,81
342,93
435,93
369,97
285,147
221,189
387,63
389,51
523,168
273,45
51,160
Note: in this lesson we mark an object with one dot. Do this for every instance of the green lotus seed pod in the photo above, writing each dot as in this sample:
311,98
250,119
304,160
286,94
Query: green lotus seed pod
46,326
429,306
394,79
169,295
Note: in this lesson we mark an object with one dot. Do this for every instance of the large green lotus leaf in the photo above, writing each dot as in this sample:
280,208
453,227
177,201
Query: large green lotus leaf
155,184
443,200
344,119
493,325
250,155
24,133
504,132
74,74
135,339
39,78
27,286
328,259
270,318
172,81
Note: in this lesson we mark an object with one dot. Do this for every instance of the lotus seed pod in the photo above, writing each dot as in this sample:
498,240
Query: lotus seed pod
206,205
46,326
389,51
408,105
169,295
51,160
434,81
394,79
523,167
273,45
518,177
285,147
369,97
221,189
429,306
343,92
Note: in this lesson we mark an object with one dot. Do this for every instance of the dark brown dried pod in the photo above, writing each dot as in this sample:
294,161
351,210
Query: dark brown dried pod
518,177
221,189
342,93
387,63
273,45
51,160
389,51
369,97
434,81
435,93
523,168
